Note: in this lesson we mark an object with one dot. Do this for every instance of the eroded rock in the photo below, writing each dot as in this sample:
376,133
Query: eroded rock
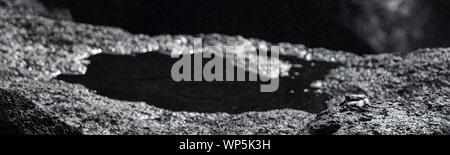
422,115
18,116
408,93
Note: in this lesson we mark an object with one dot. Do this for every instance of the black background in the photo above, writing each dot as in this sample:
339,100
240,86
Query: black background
310,22
314,23
161,144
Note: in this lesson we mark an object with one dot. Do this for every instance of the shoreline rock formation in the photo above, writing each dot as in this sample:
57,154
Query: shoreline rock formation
18,116
409,94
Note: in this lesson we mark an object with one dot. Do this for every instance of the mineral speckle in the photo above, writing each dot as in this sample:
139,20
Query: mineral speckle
409,94
18,116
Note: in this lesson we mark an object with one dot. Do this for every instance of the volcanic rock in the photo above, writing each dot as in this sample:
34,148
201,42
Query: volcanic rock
408,93
18,116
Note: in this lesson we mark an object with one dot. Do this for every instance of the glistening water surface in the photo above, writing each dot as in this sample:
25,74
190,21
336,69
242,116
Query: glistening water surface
147,77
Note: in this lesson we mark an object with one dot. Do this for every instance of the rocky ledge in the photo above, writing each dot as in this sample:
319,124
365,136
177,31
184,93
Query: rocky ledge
397,94
19,116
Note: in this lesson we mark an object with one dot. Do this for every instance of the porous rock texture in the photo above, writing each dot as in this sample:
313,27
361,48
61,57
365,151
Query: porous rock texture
409,94
18,116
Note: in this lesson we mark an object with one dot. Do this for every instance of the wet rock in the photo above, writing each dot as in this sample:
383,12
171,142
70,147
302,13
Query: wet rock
18,116
358,101
415,116
408,93
147,78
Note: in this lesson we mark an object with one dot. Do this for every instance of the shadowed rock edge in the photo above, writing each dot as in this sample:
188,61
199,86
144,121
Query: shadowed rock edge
414,88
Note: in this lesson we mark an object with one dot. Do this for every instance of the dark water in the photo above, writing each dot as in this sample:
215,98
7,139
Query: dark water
147,77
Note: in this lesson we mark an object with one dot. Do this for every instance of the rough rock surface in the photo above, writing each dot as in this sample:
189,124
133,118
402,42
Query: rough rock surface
427,114
382,26
408,93
20,117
